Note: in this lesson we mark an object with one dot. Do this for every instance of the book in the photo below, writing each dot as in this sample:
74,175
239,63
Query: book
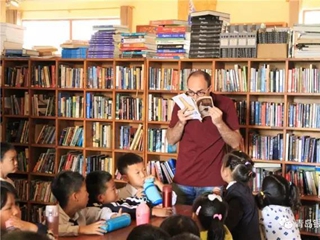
199,108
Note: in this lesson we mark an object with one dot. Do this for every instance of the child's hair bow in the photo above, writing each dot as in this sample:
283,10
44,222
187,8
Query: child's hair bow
219,216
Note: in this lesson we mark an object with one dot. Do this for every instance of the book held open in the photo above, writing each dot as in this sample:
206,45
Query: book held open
199,107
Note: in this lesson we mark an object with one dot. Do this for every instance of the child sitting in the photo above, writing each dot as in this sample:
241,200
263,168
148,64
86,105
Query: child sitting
69,189
243,217
148,232
277,199
10,213
210,212
8,161
103,199
177,224
132,169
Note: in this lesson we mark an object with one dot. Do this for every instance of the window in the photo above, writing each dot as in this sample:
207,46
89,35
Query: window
45,33
311,16
55,32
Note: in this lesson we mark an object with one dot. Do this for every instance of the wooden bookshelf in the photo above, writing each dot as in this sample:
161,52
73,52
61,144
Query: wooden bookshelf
140,93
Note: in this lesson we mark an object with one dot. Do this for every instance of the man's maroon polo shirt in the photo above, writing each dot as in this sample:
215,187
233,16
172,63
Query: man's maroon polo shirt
201,147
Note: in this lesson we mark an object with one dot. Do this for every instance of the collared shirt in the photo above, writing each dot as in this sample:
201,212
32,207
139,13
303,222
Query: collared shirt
131,191
230,184
8,180
66,227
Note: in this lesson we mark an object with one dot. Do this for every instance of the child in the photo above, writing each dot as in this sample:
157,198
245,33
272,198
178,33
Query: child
10,214
103,199
185,236
210,212
277,199
24,235
8,161
243,217
177,224
69,189
132,168
148,232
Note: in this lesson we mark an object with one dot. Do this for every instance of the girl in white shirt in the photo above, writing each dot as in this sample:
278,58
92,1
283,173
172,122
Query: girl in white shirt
277,201
8,161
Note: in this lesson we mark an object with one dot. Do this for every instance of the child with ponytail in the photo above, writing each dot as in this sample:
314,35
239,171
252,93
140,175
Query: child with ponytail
243,216
277,201
209,212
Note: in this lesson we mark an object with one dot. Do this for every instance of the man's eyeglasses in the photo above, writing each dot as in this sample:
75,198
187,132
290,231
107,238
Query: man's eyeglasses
200,93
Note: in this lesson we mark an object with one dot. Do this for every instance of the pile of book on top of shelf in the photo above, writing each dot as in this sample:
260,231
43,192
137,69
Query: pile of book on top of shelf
11,36
206,27
305,41
74,49
168,39
132,45
240,41
105,42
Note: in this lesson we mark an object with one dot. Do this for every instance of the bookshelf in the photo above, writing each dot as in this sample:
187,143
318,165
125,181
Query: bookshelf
131,97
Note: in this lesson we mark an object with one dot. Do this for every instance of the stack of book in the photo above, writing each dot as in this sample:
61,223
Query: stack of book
206,27
104,43
11,36
305,41
169,39
132,45
74,49
240,41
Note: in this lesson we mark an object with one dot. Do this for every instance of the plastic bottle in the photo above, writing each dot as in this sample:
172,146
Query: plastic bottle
151,191
167,196
142,214
116,223
52,219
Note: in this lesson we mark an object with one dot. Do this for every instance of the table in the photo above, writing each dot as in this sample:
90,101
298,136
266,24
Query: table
122,234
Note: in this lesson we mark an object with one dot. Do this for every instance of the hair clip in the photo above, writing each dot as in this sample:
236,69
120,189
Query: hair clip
214,196
262,194
219,216
198,210
247,163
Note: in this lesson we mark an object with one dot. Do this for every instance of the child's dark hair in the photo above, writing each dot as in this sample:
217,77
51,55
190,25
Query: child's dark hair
276,190
148,232
211,212
5,189
64,184
96,184
185,236
240,165
177,224
24,235
126,160
5,147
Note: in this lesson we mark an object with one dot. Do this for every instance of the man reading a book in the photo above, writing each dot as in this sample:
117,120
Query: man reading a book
202,143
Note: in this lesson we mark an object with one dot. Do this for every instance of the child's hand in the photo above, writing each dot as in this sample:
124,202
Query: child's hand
140,193
117,214
94,228
22,225
161,212
217,191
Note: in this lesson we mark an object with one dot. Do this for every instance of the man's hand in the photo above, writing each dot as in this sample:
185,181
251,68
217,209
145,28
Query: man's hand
216,115
184,115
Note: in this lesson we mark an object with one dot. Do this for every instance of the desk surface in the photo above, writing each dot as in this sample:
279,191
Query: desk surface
122,234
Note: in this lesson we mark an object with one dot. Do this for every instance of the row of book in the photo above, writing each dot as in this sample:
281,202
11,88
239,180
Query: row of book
265,78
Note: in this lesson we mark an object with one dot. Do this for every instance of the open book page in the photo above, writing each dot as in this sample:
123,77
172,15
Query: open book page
184,101
203,105
200,107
